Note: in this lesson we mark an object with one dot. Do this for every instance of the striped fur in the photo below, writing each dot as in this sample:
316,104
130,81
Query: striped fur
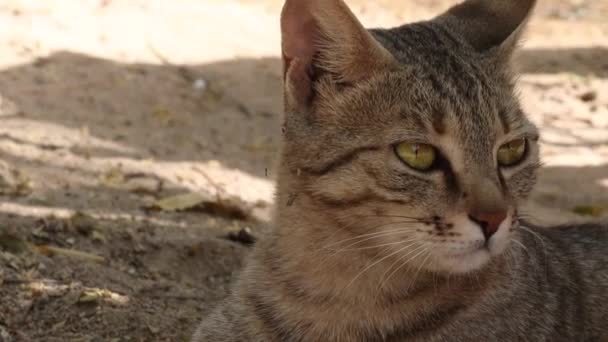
365,248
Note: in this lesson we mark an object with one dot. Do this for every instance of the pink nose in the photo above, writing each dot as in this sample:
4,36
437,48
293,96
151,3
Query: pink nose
488,222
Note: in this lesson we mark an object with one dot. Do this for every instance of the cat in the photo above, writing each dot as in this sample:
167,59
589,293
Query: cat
406,157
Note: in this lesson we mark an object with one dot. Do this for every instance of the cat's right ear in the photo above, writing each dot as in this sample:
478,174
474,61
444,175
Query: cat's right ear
320,38
489,25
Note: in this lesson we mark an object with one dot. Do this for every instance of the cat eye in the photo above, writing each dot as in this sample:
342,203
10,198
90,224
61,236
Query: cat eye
420,157
512,152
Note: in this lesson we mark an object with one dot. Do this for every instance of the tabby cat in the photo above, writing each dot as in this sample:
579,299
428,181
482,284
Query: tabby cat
406,156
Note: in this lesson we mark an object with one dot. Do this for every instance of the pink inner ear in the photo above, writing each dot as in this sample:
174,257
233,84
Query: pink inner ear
299,35
299,32
299,74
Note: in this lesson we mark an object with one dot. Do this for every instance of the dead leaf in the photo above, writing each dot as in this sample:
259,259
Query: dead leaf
217,205
88,296
590,210
58,326
180,202
52,250
98,237
96,295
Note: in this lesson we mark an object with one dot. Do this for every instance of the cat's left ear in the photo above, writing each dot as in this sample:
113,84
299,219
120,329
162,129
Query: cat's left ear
324,38
490,25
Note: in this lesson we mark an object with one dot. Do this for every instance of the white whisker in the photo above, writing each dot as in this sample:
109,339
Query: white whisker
418,271
423,247
544,247
374,264
366,235
521,245
344,228
375,246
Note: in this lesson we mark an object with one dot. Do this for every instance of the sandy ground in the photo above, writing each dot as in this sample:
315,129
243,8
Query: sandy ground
108,106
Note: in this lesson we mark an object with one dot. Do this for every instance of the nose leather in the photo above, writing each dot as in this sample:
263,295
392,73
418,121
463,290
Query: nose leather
488,221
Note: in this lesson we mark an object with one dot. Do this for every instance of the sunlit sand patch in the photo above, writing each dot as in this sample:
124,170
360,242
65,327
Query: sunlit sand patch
52,136
64,213
210,178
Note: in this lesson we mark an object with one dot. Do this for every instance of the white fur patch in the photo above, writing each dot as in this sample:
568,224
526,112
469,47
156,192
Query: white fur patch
468,251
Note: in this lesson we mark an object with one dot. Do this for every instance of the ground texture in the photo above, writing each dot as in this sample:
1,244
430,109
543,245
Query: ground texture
109,108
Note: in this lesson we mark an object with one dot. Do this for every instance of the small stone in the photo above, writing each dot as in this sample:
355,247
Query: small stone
139,248
199,84
83,223
588,96
154,330
70,241
244,236
40,233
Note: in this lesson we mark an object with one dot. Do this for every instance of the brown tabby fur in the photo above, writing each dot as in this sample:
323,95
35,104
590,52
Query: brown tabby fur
365,248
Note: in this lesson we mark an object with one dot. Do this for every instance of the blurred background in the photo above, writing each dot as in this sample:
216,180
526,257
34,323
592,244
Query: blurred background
138,142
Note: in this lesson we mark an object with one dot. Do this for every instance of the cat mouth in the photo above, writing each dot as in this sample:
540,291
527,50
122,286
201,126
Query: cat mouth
463,253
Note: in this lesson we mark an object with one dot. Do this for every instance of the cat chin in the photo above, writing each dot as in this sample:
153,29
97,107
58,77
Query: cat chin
461,263
469,261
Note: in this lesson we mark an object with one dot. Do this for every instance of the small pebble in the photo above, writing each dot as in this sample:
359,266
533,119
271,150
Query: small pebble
139,248
154,330
244,236
199,84
588,96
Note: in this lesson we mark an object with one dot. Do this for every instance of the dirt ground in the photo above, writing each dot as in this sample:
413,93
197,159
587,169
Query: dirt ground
108,106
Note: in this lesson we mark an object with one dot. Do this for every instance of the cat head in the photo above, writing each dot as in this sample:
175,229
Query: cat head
412,139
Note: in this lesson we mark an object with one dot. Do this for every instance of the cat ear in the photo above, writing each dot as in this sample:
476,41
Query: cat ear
320,37
490,24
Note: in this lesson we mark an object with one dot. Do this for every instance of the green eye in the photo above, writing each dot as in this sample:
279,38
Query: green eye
418,156
512,152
